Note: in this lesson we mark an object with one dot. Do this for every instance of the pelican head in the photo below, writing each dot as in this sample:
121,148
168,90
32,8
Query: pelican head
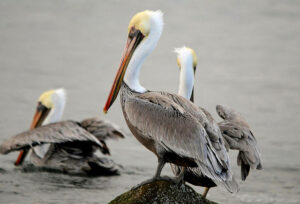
51,103
144,31
50,107
186,56
187,62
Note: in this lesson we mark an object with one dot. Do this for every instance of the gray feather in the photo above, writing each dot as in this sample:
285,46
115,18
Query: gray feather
102,129
176,124
238,136
60,132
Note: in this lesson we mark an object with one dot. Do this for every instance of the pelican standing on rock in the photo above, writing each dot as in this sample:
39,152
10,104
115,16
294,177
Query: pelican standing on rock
235,130
66,146
169,125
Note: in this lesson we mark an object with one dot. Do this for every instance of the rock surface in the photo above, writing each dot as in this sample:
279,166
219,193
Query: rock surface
161,192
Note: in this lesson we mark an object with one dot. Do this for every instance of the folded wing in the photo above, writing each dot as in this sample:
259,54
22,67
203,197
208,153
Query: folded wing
238,136
166,120
61,132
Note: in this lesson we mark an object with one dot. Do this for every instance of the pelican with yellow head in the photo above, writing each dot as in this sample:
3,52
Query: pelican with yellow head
50,108
167,124
68,146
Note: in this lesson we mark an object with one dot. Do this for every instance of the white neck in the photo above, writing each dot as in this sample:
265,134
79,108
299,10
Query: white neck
186,79
147,45
55,115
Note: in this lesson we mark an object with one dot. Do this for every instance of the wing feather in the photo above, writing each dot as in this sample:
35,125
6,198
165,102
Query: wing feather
208,123
237,134
241,138
65,131
102,129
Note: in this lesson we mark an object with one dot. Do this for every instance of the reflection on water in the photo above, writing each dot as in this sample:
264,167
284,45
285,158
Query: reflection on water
248,53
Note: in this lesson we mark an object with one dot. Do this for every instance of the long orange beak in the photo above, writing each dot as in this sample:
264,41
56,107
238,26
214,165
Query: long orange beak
38,118
134,38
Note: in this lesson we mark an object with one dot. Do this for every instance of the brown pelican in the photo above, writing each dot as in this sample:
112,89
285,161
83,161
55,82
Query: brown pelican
235,130
66,146
172,127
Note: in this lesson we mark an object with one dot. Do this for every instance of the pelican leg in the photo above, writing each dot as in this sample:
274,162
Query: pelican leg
205,192
160,166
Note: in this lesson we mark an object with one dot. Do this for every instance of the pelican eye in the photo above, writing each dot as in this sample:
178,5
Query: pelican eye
132,32
41,107
135,32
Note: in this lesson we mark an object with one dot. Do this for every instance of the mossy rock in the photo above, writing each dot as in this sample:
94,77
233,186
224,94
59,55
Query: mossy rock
161,192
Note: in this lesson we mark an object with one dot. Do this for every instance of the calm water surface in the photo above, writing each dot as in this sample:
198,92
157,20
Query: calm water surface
248,57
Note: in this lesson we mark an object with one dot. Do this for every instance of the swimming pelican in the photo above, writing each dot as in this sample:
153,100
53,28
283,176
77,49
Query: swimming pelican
232,128
169,125
66,146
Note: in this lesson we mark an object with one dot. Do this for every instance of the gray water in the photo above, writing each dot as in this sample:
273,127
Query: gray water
248,58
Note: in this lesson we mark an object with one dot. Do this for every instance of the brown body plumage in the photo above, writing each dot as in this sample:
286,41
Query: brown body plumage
173,129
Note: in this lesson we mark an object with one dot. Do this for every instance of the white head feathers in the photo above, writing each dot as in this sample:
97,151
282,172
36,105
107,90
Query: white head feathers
58,99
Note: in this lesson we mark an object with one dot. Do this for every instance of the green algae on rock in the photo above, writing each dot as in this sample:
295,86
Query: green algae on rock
161,192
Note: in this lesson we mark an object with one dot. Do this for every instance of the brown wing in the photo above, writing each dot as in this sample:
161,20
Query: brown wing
168,123
238,136
102,129
209,124
61,132
214,133
215,136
